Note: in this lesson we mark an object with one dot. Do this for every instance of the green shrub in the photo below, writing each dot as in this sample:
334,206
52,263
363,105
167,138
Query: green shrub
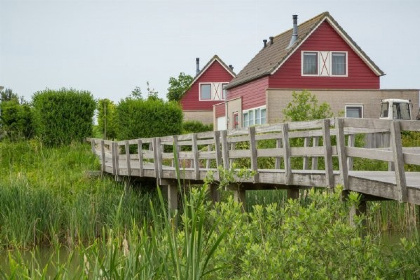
62,116
195,127
138,118
16,120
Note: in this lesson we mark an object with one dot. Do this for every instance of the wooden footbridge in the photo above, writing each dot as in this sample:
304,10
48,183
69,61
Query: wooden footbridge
292,156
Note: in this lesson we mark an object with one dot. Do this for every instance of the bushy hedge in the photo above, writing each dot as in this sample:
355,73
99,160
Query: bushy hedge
195,127
16,120
138,118
62,116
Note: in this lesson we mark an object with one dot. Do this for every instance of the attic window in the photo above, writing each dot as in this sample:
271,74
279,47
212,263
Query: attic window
324,63
212,91
310,63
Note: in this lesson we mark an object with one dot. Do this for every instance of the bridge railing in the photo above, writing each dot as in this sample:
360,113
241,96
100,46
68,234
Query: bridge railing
326,146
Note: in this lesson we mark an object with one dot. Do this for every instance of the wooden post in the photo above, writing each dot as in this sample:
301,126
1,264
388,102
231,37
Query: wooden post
253,150
92,145
305,158
286,154
214,193
117,159
219,159
279,144
351,143
315,143
398,161
103,159
342,157
293,193
172,198
195,155
155,157
225,149
140,154
328,153
113,158
128,160
176,152
239,196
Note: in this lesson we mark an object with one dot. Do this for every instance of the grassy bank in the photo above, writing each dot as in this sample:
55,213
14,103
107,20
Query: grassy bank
46,198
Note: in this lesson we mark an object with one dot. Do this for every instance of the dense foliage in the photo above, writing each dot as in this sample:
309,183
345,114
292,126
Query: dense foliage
62,116
195,127
178,86
138,118
107,122
112,233
305,107
15,116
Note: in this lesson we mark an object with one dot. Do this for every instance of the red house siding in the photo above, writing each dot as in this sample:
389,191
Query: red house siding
220,109
252,93
360,76
215,73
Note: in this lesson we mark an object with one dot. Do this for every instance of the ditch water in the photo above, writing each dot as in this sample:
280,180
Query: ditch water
71,261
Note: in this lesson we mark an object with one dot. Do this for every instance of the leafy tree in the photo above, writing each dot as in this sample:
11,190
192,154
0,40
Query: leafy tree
178,86
107,118
8,95
305,107
137,93
15,116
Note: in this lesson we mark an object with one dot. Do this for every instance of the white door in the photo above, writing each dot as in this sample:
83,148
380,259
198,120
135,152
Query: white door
221,123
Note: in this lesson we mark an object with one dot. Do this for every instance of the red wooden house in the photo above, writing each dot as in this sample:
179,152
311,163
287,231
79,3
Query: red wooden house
206,90
317,55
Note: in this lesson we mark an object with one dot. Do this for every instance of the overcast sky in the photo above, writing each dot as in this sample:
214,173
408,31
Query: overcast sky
110,47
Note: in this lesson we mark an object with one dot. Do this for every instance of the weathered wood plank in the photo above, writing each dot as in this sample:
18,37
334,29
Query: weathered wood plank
253,152
219,159
328,153
398,160
305,158
195,155
286,155
315,143
103,156
375,154
140,155
128,160
350,143
225,149
342,157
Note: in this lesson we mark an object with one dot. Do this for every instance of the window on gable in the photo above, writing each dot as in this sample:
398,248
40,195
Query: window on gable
354,111
324,63
339,64
212,91
205,91
224,95
310,63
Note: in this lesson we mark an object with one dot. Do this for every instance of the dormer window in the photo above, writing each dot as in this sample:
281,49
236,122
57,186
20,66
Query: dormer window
324,63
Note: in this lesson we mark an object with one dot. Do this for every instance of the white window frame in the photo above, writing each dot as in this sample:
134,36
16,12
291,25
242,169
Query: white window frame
224,91
354,106
247,113
347,64
302,63
327,57
199,91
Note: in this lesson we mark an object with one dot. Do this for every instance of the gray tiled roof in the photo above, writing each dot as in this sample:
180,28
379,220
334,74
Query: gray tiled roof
274,55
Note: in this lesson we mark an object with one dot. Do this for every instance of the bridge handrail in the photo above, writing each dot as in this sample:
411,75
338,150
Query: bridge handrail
215,148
